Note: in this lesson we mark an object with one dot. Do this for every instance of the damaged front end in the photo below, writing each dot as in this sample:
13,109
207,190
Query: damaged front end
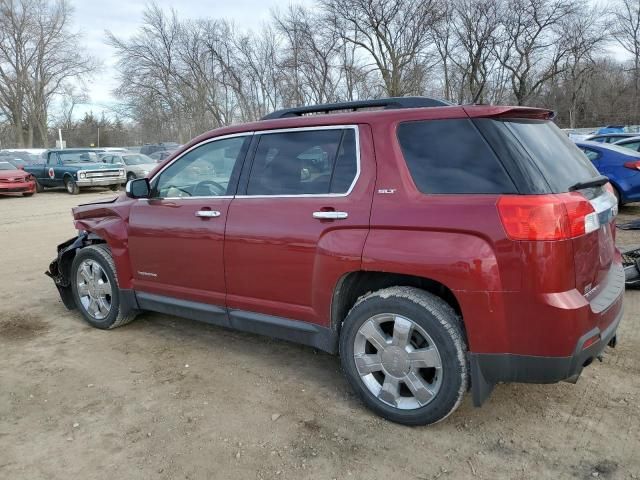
60,267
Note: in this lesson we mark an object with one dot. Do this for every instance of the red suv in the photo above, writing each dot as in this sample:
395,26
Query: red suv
436,248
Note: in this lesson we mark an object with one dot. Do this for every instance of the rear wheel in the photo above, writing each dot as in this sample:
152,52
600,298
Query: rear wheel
403,351
39,187
95,288
71,186
618,198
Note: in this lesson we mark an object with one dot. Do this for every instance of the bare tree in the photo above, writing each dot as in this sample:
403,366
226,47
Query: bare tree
39,56
626,31
531,50
394,35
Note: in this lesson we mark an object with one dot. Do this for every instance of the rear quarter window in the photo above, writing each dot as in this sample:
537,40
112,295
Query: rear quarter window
451,156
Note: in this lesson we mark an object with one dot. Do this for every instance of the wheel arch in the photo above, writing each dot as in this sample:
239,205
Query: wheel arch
353,285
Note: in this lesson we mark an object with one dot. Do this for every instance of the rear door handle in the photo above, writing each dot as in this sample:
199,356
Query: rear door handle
330,215
207,213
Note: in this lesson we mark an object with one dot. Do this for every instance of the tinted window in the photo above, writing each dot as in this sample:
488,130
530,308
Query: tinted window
631,145
591,154
206,171
450,156
297,163
548,152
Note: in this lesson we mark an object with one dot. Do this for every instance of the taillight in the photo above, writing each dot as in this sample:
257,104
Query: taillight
633,165
547,217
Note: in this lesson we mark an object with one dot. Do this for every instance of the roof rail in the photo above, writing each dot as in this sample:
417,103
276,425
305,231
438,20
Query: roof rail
386,103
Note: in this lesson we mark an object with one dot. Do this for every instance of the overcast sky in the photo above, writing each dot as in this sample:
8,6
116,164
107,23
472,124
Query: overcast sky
123,17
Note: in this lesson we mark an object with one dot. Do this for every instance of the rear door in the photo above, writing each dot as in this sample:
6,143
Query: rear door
300,221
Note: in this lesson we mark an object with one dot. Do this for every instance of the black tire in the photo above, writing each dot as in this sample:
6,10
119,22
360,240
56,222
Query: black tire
27,194
618,197
71,186
39,187
131,176
102,255
440,322
114,188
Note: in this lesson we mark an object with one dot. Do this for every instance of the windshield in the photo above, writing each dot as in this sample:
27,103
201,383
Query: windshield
76,157
137,159
6,166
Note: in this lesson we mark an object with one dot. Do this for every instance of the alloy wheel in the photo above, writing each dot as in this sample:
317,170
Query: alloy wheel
398,361
94,289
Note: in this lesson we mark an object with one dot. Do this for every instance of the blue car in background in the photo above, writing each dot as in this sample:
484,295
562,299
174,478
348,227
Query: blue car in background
621,165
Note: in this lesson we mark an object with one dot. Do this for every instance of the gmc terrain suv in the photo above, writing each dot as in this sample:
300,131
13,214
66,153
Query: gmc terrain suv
436,248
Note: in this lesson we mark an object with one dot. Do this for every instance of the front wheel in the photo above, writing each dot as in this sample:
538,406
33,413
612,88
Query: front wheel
95,288
27,194
403,351
39,187
71,186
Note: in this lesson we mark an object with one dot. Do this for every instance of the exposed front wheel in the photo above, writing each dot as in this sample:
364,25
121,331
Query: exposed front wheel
71,186
95,288
403,351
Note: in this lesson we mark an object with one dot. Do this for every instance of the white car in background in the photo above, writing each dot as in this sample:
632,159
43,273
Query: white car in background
136,164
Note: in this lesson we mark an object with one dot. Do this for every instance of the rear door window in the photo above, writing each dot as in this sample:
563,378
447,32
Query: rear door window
306,162
451,156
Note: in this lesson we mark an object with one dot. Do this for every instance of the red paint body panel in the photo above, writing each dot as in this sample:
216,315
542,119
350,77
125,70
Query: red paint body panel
270,256
16,181
281,261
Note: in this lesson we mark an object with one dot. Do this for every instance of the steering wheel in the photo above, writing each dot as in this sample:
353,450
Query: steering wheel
222,190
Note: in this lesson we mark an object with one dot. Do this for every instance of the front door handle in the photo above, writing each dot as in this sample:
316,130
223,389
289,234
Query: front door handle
330,215
207,213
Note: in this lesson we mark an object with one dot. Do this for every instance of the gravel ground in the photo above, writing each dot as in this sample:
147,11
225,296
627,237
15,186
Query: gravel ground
167,398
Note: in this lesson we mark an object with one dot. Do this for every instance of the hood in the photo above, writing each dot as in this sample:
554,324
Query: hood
93,166
146,167
7,174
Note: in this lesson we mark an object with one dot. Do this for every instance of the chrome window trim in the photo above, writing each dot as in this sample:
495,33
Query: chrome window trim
267,132
314,195
204,142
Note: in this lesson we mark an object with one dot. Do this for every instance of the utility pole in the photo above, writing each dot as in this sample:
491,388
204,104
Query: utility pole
98,137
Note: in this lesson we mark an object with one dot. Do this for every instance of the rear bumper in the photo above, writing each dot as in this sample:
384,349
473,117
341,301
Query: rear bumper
585,328
492,368
18,187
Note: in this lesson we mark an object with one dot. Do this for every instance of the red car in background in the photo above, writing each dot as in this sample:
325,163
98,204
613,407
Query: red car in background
14,180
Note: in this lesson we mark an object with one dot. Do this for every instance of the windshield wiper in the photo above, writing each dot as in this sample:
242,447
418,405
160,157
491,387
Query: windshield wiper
592,182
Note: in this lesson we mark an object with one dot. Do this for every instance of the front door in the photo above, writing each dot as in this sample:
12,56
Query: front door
301,221
176,236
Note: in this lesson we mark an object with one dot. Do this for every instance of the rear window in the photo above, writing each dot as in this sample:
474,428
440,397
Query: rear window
451,156
544,146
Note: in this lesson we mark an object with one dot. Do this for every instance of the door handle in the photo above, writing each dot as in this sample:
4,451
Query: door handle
330,215
207,213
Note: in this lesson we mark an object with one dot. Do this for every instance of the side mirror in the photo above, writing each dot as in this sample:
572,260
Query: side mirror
138,188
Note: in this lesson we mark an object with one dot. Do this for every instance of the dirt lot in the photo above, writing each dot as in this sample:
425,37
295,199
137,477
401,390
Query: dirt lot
170,398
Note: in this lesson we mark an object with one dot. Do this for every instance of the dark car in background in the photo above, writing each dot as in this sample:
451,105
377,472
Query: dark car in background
150,148
75,168
162,155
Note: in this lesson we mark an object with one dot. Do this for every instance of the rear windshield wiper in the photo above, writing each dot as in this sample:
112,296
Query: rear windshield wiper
592,182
